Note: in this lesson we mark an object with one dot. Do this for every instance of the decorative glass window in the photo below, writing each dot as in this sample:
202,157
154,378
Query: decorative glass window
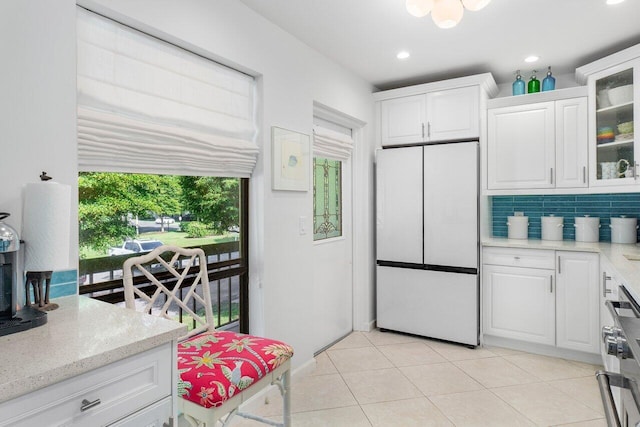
327,198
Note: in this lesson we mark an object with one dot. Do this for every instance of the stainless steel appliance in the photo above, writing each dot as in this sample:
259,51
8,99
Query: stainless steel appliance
12,317
428,241
623,341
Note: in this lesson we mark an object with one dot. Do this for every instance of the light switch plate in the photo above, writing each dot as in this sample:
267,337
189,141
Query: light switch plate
302,225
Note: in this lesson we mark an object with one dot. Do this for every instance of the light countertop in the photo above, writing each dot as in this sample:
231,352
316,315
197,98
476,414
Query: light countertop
614,252
81,335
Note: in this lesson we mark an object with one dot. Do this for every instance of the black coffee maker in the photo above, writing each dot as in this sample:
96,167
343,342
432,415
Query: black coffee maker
12,317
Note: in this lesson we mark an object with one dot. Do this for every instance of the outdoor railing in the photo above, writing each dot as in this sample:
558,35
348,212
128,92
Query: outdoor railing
101,278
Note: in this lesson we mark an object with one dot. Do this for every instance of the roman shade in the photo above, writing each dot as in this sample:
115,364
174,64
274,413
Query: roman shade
147,106
331,144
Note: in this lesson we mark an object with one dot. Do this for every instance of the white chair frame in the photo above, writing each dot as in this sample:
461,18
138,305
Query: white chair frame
198,416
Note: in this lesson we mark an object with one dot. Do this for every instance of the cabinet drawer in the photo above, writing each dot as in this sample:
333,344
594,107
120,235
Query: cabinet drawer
156,415
118,389
530,258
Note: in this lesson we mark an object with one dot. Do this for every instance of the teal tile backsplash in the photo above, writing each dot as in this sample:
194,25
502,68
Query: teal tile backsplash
603,206
63,283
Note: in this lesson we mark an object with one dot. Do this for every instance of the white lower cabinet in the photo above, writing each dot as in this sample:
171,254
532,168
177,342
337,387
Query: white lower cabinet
577,313
519,302
136,391
527,297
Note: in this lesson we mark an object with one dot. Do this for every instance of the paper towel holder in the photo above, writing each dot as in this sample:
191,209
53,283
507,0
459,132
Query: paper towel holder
40,281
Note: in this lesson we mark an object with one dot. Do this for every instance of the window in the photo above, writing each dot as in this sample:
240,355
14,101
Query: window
168,137
327,198
332,145
119,215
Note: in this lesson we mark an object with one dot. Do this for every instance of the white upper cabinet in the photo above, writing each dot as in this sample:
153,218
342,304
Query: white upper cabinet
614,101
448,114
571,143
453,114
403,120
615,95
521,146
540,145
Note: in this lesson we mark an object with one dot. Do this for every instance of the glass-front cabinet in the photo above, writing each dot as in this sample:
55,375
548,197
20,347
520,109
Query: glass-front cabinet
614,151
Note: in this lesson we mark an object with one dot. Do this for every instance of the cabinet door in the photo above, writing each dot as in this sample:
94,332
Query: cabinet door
613,103
521,147
577,313
571,142
519,303
403,120
453,114
399,204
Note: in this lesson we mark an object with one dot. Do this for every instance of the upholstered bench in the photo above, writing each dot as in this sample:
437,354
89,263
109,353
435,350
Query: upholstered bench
215,366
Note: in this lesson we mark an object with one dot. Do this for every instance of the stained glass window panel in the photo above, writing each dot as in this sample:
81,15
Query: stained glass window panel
327,198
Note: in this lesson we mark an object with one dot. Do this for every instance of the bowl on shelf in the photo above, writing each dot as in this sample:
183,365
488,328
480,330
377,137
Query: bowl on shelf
620,95
605,134
626,127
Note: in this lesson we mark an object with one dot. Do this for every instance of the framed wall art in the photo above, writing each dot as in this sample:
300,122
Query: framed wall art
290,160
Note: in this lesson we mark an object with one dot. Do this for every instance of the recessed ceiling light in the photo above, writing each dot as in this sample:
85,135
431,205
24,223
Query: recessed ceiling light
610,2
403,54
531,58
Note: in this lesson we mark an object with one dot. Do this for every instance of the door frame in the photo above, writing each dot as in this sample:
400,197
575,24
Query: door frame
362,210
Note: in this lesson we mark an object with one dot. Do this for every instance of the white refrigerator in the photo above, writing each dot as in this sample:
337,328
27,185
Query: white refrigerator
428,241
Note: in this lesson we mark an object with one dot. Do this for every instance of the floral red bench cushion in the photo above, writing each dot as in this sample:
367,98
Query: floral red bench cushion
214,366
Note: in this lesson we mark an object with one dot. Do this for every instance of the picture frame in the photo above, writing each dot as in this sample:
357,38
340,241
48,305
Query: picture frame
290,163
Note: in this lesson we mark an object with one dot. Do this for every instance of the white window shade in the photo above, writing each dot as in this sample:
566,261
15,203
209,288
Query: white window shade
148,106
331,144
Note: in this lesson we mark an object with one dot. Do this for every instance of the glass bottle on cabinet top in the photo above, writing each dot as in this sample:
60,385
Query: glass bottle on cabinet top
549,82
534,84
518,86
615,157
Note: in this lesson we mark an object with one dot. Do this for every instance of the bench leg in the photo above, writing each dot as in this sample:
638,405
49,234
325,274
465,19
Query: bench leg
286,398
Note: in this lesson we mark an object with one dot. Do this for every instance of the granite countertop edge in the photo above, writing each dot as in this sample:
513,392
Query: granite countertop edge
36,373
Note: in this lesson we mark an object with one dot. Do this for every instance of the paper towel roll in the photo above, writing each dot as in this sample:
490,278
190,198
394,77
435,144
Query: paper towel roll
46,226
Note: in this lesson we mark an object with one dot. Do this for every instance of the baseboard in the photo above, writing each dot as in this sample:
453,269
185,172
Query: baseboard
544,350
366,326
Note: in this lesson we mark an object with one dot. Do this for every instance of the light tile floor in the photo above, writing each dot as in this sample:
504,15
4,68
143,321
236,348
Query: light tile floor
387,379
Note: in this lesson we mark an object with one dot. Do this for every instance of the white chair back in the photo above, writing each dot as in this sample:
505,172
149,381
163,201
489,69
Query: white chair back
187,269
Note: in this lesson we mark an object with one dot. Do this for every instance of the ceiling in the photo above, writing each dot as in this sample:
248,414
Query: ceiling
365,36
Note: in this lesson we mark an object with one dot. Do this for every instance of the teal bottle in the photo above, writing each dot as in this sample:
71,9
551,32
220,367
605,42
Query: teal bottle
549,82
518,85
534,84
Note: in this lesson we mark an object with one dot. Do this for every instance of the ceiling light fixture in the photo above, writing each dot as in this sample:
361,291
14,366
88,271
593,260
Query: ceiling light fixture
445,13
531,58
610,2
403,54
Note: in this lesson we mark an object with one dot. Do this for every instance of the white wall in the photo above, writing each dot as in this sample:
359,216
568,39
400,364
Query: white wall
40,39
38,102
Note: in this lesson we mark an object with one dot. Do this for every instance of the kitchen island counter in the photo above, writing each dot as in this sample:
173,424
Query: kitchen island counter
83,334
